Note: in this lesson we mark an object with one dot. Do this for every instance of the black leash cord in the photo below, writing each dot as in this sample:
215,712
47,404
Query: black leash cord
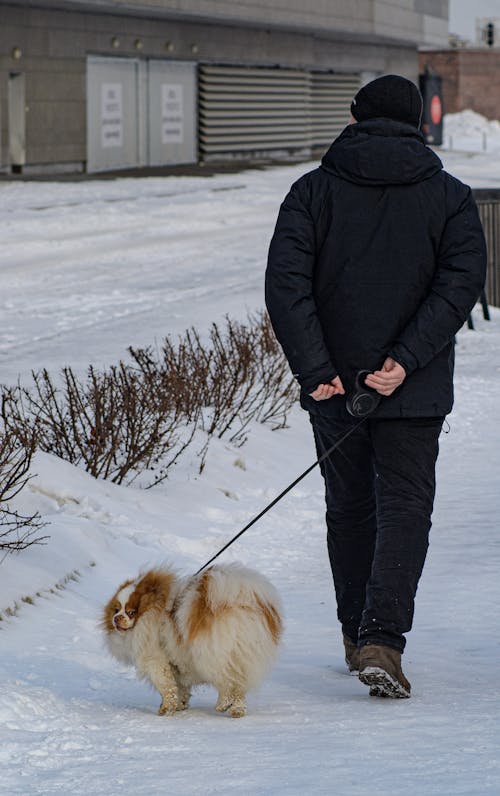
282,494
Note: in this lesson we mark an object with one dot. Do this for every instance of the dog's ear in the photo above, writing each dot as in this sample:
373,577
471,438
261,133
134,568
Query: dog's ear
108,614
153,590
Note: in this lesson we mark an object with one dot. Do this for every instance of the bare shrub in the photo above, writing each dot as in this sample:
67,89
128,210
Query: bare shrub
278,391
248,378
168,392
115,423
231,379
177,374
238,375
142,416
17,531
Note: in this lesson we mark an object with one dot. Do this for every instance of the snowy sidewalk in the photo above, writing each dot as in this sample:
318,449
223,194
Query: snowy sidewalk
73,721
88,269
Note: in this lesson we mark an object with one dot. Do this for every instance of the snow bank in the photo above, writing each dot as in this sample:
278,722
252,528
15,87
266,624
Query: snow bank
469,131
470,123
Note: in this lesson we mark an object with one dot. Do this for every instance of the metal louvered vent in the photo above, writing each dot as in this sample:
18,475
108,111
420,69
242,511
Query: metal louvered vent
251,109
331,96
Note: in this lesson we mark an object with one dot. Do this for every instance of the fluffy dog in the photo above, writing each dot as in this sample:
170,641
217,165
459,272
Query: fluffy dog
221,627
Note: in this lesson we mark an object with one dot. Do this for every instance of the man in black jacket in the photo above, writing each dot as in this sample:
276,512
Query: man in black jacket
378,256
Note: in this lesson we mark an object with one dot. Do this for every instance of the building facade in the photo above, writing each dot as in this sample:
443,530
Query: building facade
470,78
100,85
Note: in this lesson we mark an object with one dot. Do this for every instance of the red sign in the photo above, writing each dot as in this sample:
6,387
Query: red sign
436,109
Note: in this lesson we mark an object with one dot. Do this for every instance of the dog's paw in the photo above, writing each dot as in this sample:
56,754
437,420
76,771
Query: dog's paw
167,709
237,711
234,703
168,705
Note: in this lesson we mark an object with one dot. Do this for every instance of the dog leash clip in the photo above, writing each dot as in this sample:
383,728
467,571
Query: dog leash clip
363,400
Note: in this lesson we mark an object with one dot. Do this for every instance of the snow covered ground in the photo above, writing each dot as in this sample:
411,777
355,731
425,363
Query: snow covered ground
471,148
471,132
89,268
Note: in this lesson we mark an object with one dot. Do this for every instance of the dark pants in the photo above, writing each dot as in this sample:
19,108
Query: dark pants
380,486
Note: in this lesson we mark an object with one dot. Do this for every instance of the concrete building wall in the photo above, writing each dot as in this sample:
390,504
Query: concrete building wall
416,21
49,41
407,20
470,79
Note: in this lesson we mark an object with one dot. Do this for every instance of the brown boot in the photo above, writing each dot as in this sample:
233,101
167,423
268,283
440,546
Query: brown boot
380,668
351,655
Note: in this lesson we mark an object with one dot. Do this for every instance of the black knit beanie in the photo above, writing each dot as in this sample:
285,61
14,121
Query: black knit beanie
390,96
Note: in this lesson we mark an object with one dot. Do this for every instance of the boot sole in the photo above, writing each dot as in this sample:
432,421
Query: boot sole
382,684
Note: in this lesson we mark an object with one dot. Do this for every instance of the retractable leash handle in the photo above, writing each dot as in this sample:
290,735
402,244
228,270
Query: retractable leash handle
363,400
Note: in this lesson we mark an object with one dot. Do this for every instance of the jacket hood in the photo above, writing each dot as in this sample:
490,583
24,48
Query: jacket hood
381,152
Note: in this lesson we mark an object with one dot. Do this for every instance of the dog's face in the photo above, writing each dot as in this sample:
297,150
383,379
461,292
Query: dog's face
134,598
123,610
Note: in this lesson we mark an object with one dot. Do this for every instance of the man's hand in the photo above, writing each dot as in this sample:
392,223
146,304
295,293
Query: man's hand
388,379
324,391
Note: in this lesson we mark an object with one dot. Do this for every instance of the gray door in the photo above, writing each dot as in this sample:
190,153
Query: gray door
172,122
17,119
113,117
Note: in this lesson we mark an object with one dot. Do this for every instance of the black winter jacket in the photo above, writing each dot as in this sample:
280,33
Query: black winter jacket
376,253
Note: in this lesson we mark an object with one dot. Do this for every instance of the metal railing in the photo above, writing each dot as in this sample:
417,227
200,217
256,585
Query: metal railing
488,203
